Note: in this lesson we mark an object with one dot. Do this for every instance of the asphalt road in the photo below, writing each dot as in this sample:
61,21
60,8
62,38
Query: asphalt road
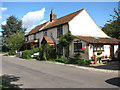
36,74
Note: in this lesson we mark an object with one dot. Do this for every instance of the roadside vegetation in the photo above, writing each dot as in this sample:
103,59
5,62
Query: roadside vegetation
12,35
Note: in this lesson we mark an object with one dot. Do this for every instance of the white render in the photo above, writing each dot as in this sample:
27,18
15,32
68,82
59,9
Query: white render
83,25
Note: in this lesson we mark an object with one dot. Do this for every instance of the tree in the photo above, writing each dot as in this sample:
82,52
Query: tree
15,42
12,26
112,28
65,40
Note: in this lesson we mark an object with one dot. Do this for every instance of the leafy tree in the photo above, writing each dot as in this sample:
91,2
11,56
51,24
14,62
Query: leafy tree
65,40
112,28
15,42
12,26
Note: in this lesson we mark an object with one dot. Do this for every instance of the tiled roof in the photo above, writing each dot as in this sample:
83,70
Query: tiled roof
63,19
99,40
36,29
56,22
49,40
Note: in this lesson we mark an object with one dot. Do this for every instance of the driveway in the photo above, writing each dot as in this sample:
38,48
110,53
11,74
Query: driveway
38,74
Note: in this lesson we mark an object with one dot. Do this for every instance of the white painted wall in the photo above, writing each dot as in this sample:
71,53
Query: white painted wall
83,25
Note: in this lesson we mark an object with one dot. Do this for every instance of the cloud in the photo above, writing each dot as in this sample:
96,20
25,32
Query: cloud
4,22
31,18
43,21
3,9
0,16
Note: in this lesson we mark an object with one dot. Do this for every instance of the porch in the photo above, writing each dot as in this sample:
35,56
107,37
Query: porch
31,44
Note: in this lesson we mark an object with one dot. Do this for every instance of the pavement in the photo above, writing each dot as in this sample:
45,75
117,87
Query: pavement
37,74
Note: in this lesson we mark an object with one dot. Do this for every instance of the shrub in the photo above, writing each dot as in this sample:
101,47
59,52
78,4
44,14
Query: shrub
72,61
60,60
27,53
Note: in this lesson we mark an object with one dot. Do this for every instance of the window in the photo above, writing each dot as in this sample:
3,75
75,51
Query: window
77,47
34,36
27,38
45,33
59,49
59,31
98,47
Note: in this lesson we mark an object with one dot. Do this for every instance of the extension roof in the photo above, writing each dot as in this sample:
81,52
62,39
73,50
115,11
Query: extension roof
99,40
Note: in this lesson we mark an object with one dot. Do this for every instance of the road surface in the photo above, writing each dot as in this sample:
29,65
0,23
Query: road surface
37,74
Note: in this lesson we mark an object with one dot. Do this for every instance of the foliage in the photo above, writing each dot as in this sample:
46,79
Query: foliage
27,53
112,28
65,40
60,60
48,52
15,42
72,61
13,25
99,52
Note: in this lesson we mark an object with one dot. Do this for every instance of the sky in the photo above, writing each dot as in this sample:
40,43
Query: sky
35,13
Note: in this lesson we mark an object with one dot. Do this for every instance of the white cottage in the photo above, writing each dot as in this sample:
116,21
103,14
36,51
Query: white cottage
90,39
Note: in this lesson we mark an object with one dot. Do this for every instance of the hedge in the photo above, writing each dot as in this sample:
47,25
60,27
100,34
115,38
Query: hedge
27,53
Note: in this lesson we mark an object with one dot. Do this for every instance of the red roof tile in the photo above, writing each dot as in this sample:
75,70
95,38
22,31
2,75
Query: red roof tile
49,40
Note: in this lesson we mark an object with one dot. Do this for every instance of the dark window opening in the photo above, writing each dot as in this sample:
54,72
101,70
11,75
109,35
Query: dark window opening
45,33
59,49
77,47
34,36
59,31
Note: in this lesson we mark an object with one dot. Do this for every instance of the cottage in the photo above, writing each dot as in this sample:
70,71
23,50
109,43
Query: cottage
90,39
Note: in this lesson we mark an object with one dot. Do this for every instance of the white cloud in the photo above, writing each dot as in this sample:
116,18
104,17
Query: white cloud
3,9
43,21
4,22
31,18
0,16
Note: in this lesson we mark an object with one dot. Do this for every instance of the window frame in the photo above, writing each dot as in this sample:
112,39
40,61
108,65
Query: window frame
60,49
98,48
34,36
76,44
59,31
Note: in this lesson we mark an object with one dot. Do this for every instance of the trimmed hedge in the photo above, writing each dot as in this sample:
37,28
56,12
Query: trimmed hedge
27,53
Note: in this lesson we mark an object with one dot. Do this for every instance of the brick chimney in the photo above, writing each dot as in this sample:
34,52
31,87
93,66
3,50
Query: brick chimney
52,16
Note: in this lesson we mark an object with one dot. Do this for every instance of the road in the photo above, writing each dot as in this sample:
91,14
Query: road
37,74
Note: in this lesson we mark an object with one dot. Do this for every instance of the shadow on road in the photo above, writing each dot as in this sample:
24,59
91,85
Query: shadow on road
108,66
114,81
10,80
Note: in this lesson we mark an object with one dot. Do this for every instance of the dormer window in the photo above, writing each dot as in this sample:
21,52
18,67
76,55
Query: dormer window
59,31
45,33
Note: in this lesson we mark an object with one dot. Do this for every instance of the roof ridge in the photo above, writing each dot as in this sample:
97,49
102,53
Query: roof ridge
70,13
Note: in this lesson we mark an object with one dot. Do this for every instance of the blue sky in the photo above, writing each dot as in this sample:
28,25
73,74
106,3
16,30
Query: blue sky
99,11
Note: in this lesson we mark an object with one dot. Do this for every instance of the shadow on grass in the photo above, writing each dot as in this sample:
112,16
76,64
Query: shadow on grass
114,81
10,81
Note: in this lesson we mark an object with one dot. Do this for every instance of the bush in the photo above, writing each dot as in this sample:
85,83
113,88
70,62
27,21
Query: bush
71,61
60,60
27,53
